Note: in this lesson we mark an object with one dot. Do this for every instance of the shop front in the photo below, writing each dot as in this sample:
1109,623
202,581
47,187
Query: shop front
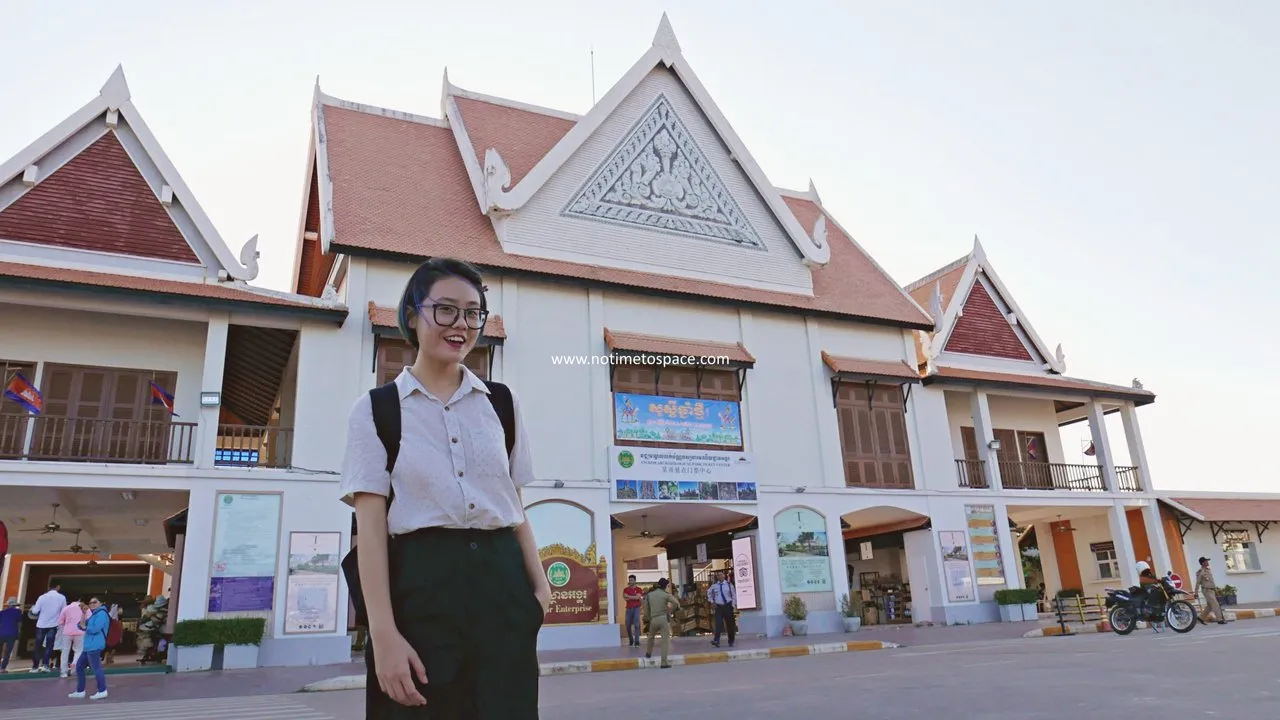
886,550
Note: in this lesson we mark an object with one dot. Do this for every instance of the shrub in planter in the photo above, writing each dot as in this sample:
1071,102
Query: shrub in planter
218,644
851,609
796,612
1227,595
1017,604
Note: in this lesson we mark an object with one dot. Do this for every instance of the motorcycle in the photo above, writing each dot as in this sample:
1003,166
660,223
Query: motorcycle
1159,602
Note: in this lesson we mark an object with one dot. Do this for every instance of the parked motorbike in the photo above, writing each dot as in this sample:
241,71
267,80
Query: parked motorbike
1159,602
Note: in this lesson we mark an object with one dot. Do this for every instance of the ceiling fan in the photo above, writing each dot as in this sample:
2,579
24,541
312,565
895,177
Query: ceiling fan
645,532
78,549
52,526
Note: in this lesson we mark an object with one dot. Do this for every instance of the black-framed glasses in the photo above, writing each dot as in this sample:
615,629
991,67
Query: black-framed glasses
447,315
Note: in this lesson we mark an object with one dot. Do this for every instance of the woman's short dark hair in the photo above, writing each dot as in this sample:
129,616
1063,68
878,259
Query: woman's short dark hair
424,278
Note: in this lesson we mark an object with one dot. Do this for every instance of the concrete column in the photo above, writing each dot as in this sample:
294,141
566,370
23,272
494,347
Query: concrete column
768,575
1010,558
1137,450
933,449
1119,524
1160,556
600,388
215,359
198,542
830,455
1102,445
984,433
835,549
175,590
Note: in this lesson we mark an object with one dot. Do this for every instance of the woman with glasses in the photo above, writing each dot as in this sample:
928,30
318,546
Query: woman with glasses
456,595
95,641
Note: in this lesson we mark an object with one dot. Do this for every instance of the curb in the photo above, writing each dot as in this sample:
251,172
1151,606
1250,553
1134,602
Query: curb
357,682
1103,626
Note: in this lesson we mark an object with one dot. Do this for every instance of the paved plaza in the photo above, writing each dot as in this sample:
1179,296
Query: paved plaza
1220,672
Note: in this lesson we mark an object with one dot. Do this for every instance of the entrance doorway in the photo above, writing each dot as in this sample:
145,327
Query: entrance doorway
882,546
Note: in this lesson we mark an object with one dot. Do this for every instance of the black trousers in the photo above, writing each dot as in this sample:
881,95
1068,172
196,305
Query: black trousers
463,601
724,619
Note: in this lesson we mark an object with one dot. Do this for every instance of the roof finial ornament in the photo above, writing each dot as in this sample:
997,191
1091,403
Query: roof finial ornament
1061,358
249,255
820,230
1137,384
116,88
935,306
665,37
497,177
978,253
813,191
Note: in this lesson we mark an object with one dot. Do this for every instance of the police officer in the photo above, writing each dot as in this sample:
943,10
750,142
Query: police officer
659,606
1205,582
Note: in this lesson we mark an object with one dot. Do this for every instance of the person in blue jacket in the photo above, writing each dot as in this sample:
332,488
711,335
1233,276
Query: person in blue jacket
95,642
10,622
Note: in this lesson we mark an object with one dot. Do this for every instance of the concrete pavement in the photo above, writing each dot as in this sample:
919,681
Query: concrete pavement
1213,671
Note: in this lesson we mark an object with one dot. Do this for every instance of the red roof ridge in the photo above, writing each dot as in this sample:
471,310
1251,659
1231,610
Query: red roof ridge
939,273
452,90
326,100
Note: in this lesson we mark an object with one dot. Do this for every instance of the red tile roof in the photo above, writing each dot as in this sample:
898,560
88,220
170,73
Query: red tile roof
87,278
521,137
948,277
982,329
97,201
1232,509
384,317
680,347
859,366
400,187
1074,386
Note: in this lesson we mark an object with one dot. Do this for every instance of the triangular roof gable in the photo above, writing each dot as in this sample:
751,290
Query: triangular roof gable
973,271
492,180
113,102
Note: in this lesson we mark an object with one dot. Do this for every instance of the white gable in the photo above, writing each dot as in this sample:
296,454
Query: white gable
655,189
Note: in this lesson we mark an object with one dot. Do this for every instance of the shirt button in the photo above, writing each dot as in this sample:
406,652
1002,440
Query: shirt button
453,439
459,473
472,506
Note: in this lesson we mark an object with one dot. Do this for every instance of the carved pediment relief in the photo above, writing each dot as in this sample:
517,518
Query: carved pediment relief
658,178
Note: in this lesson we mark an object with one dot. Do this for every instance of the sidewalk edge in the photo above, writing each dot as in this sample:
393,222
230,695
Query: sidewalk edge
1103,627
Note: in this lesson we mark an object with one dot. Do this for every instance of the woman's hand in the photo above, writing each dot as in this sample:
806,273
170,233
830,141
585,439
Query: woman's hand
397,664
543,593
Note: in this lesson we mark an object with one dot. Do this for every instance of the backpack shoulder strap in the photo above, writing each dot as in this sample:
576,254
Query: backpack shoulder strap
386,419
504,405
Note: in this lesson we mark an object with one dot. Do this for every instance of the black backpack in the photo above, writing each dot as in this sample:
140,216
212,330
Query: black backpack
385,400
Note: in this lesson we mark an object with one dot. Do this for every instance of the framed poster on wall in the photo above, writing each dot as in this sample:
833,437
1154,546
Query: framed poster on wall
246,543
311,589
744,573
987,562
955,565
803,560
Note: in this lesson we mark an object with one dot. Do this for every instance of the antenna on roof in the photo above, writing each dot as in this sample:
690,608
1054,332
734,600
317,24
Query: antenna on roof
593,76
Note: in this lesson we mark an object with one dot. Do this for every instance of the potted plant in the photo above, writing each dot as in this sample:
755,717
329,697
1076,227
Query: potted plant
851,609
219,644
1227,595
796,612
1017,605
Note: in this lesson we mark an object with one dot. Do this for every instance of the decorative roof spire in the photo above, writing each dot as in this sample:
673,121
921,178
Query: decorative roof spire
665,37
116,89
813,191
978,252
935,306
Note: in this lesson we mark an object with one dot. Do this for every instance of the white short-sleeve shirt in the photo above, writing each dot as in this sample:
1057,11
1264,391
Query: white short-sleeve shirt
452,470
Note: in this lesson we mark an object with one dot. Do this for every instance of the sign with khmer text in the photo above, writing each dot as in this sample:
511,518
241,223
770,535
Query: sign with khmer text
576,581
645,474
655,418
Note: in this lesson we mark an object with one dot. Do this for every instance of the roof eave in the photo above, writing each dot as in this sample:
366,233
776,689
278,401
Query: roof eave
1138,399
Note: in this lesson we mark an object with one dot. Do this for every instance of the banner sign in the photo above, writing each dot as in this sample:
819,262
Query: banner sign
246,540
744,573
669,475
987,562
579,593
955,566
657,418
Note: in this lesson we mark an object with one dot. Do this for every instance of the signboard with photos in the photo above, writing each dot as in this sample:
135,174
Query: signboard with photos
643,474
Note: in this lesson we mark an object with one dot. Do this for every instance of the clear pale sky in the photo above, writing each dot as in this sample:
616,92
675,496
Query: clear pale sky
1120,161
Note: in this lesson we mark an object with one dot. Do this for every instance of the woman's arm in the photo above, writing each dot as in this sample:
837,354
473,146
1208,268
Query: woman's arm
532,563
371,551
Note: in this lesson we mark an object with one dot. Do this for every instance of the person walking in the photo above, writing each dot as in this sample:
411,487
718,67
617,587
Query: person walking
10,627
95,641
46,611
633,594
447,565
72,636
1205,582
722,598
659,606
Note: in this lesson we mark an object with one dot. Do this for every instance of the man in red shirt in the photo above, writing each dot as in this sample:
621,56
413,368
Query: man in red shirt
633,595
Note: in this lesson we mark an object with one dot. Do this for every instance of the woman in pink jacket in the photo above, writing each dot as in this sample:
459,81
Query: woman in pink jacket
72,635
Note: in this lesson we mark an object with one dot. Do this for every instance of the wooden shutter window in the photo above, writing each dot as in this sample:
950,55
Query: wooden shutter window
394,355
634,380
969,439
873,438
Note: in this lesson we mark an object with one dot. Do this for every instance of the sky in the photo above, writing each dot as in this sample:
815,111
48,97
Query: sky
1119,161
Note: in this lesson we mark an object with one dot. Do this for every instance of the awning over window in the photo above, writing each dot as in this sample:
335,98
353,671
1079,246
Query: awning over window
858,368
628,342
1206,509
385,324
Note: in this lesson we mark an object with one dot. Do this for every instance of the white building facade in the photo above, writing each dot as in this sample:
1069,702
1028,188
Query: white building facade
715,374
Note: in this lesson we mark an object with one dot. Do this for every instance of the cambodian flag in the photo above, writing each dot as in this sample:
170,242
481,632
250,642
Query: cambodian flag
1090,451
160,397
21,391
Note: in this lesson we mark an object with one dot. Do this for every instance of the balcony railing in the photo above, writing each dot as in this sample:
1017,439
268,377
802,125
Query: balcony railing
1128,479
69,439
971,473
254,446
